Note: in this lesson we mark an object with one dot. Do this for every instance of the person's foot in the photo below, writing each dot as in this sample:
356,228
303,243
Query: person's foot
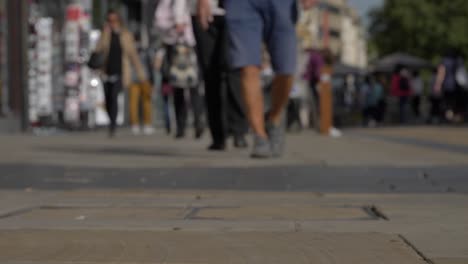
199,133
136,130
148,130
217,147
276,136
111,133
261,148
180,135
240,142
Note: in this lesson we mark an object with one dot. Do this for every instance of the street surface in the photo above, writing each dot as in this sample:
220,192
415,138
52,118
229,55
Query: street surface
389,195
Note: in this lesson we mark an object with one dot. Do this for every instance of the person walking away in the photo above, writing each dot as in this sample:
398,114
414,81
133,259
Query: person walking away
417,85
120,54
250,23
401,88
365,101
312,76
449,82
173,20
141,95
225,109
435,115
378,99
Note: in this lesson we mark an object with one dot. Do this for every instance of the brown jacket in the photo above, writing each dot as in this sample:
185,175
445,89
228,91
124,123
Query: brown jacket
129,55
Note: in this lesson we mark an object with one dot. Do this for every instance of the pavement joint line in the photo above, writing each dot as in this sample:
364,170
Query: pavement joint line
415,249
19,212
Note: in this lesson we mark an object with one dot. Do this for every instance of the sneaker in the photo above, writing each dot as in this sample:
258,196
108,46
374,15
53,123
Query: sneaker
136,130
261,148
276,135
148,130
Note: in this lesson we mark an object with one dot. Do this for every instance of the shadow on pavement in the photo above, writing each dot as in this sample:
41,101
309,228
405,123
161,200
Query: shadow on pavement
121,151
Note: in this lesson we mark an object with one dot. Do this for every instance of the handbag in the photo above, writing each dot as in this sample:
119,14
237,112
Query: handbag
96,60
183,67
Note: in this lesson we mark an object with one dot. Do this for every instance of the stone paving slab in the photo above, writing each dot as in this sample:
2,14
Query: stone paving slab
451,261
436,224
76,247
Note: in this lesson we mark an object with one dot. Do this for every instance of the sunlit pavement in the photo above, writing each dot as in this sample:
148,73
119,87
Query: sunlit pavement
393,195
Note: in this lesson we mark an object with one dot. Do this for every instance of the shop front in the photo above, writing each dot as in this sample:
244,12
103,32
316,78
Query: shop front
44,81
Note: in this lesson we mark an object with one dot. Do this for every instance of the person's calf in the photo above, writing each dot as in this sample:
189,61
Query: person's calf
253,98
282,86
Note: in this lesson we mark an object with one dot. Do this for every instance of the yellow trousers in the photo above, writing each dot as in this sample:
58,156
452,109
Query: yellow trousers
140,92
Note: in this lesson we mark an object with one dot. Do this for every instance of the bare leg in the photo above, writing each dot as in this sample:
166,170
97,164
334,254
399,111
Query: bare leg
253,98
282,86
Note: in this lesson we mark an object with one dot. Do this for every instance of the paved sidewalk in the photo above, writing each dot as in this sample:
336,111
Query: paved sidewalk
392,195
403,147
405,160
235,227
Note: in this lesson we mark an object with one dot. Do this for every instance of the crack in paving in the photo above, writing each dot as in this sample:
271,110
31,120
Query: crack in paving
416,250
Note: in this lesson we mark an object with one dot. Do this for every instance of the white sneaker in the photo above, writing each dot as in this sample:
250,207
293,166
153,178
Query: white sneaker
136,130
335,133
148,130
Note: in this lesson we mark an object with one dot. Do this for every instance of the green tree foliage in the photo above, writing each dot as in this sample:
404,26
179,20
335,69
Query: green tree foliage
425,28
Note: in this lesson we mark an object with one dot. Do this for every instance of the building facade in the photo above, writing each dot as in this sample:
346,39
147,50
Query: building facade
334,25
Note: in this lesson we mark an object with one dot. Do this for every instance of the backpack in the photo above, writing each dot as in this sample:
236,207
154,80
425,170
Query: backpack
183,68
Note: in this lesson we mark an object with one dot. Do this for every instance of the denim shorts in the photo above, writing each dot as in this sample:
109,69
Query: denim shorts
251,23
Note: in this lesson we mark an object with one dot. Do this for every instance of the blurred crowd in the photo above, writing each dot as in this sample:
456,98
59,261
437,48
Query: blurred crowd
199,87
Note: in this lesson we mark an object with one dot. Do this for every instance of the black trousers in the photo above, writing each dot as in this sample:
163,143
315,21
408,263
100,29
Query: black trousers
181,108
225,109
111,94
294,115
416,105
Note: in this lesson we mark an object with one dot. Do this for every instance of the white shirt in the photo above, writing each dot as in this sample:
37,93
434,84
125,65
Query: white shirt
168,14
215,9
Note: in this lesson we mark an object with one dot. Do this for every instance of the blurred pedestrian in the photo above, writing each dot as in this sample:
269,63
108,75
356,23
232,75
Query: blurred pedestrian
350,93
225,109
180,66
380,97
417,85
367,107
401,88
436,114
451,79
141,94
312,76
250,23
120,54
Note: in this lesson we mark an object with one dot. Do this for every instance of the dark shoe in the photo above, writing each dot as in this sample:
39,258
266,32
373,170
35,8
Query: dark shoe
261,148
199,133
276,135
217,147
180,135
240,142
111,133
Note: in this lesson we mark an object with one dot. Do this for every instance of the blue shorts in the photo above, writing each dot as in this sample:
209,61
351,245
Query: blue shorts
253,22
